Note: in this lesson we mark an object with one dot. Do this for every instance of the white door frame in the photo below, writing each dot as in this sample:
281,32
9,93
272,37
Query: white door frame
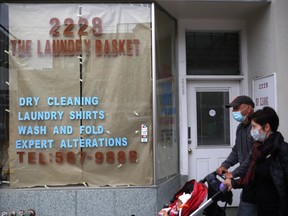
203,160
203,25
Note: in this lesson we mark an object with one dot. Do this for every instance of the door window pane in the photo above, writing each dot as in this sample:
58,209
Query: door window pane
213,125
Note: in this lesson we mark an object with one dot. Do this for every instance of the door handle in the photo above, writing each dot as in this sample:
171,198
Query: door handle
189,151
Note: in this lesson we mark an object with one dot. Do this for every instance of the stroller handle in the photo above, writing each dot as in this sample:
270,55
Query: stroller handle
212,177
223,188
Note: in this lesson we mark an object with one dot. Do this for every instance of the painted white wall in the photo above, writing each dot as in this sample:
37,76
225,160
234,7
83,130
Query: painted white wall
267,42
280,8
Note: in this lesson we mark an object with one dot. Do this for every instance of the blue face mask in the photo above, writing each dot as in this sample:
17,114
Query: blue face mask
238,116
257,135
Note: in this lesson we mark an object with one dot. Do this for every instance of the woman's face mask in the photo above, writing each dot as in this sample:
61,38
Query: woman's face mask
257,135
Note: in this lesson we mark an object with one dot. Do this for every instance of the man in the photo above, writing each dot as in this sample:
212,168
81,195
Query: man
242,106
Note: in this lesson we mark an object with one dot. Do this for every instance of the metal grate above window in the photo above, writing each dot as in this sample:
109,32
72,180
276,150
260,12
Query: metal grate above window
213,53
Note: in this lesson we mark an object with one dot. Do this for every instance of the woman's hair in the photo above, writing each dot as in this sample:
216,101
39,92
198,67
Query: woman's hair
264,116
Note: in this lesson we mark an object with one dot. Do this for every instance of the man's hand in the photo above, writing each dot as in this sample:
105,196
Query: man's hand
221,170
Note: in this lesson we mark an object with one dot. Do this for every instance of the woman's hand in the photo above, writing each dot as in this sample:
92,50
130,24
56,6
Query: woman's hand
228,175
228,183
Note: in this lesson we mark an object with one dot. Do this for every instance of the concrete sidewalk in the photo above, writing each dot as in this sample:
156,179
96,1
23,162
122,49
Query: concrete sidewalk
231,211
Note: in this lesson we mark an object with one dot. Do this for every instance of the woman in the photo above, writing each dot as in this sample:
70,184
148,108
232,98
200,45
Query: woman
266,168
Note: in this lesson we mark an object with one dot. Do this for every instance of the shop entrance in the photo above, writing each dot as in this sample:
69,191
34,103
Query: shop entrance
211,130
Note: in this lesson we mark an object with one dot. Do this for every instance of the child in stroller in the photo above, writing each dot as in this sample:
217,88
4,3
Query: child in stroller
196,192
174,209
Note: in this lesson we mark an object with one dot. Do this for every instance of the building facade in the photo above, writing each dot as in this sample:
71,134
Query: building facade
109,107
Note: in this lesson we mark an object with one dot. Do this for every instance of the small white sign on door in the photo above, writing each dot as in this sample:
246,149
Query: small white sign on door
264,91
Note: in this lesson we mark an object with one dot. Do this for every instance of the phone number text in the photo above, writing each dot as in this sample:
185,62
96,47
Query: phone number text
70,157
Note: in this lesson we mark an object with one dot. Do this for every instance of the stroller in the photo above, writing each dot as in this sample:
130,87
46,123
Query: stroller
198,190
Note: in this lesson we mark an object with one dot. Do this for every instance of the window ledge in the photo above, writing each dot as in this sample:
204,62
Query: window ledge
218,77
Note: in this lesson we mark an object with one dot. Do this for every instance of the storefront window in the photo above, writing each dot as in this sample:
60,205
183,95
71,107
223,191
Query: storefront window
4,92
167,134
77,104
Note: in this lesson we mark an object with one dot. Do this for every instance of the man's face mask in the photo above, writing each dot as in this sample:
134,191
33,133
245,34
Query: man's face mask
238,116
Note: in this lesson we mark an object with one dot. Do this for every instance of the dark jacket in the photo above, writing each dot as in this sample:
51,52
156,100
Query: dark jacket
241,149
278,167
279,171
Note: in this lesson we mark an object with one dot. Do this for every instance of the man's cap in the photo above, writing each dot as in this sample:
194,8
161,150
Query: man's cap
242,99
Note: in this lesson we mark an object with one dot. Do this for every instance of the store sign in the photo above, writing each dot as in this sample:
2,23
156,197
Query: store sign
264,91
77,77
71,47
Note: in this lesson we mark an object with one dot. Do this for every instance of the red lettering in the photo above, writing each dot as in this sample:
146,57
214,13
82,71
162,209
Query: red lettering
78,47
114,47
87,44
68,48
69,27
59,157
84,25
121,47
54,30
48,47
41,158
121,157
97,26
133,156
56,47
39,52
69,23
99,157
75,47
28,48
71,158
13,43
129,48
117,47
98,48
32,157
21,48
110,157
106,49
20,156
